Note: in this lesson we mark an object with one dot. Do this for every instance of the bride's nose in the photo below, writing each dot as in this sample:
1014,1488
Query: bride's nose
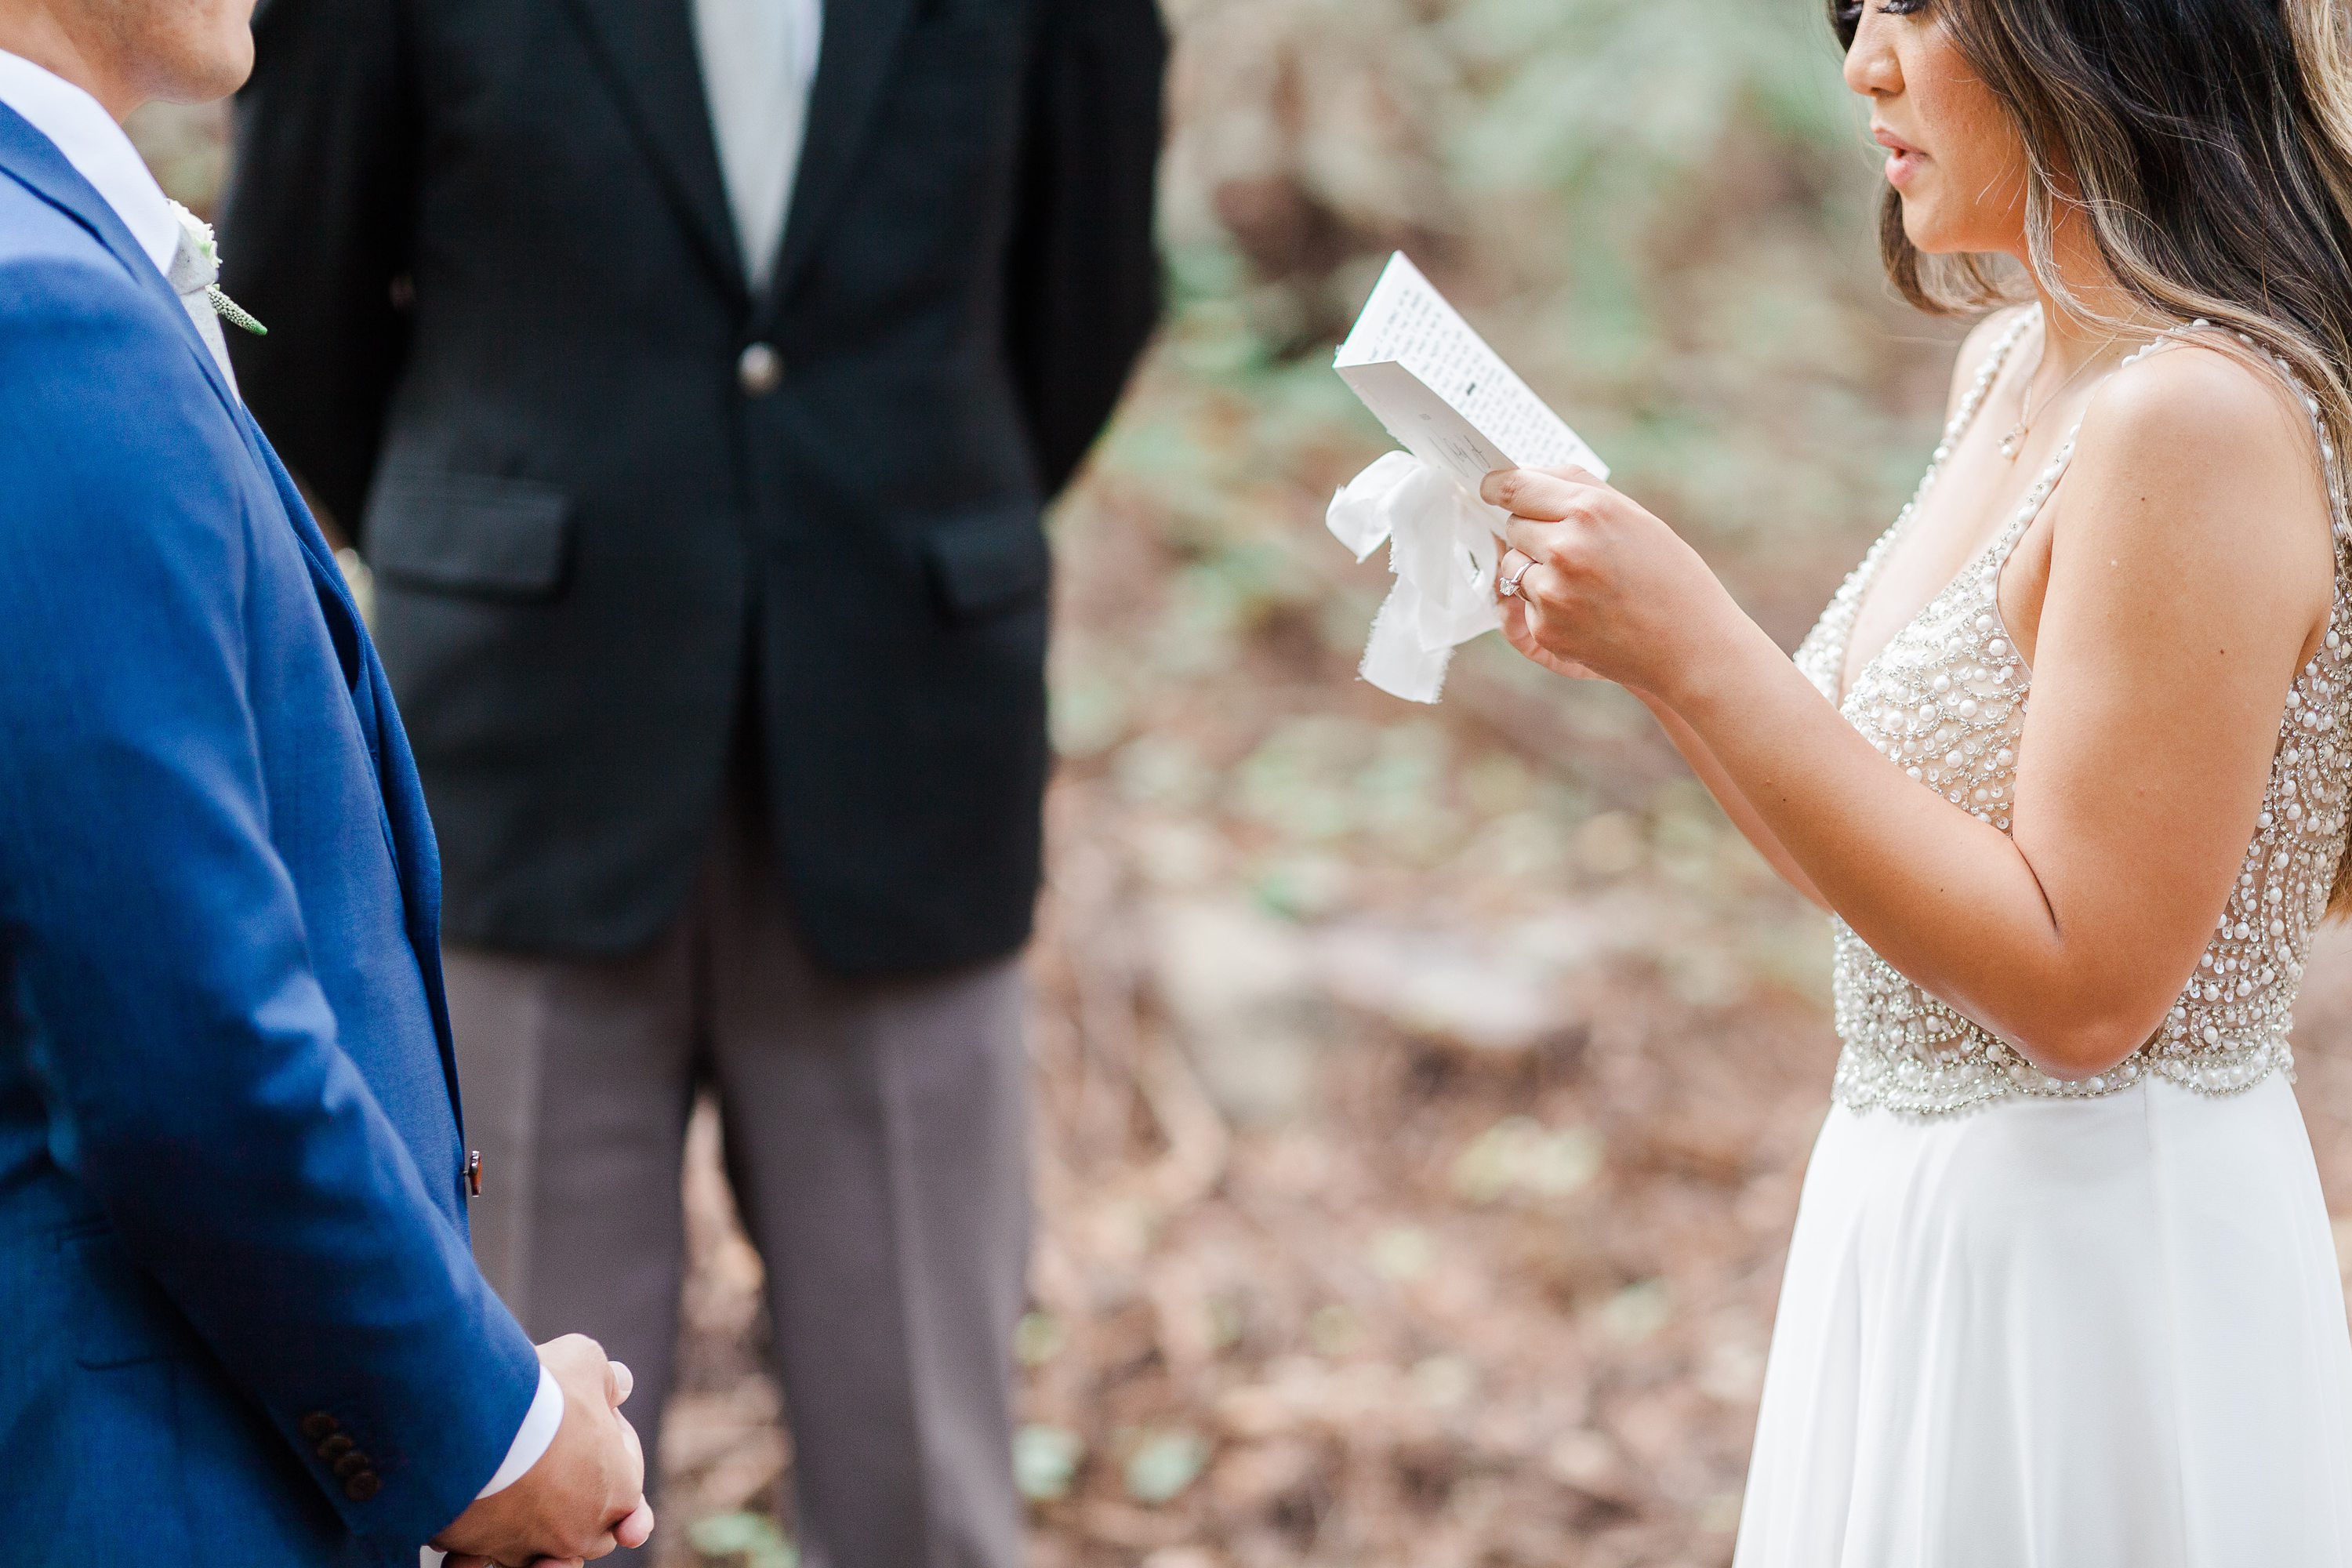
1871,67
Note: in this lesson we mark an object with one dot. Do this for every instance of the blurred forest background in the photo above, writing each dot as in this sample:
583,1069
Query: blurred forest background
1421,1094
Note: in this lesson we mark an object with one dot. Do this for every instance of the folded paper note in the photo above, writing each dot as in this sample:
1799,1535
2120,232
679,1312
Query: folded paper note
1453,404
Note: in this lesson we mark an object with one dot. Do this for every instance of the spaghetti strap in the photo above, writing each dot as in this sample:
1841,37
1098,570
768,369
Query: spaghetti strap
2037,500
1822,656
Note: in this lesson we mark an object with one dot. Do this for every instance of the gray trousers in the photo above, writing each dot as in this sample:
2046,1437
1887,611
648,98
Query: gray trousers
876,1138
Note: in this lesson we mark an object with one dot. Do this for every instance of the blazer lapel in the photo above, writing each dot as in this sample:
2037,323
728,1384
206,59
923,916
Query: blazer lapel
31,157
861,37
646,49
35,159
400,793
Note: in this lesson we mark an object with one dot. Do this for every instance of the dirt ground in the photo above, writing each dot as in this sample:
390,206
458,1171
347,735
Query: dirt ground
1417,1199
1475,1305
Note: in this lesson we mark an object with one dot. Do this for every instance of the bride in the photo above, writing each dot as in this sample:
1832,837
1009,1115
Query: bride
2067,761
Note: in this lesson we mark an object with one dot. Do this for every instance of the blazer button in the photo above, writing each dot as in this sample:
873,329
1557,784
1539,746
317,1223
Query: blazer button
361,1486
335,1448
474,1173
759,370
353,1466
318,1427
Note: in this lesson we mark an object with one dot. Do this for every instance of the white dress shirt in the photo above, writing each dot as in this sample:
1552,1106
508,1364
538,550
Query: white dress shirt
758,61
101,153
96,146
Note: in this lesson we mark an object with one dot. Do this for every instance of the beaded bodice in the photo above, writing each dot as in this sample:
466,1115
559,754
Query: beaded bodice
1945,700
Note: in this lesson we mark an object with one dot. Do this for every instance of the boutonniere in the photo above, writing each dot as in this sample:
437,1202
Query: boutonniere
207,253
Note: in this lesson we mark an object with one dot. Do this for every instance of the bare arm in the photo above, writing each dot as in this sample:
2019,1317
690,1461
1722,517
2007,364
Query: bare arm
1703,762
1735,802
2191,570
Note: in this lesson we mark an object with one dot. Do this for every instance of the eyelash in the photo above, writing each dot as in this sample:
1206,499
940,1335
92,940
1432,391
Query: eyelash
1850,14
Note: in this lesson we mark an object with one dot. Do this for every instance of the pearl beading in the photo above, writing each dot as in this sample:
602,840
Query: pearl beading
1945,700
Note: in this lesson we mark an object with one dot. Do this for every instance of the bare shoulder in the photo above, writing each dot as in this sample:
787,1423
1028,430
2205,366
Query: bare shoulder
2202,463
2198,420
1976,347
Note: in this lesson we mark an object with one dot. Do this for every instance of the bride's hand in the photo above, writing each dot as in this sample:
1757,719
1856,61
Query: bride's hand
1518,625
1612,591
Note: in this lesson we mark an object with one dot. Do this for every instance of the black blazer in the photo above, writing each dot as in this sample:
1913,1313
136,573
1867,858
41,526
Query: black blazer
616,503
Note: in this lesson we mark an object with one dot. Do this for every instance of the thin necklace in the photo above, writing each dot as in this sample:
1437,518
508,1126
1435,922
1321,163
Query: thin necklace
2014,442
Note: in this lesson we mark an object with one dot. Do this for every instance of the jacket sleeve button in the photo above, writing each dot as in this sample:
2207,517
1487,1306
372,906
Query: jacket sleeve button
361,1486
353,1465
335,1448
318,1427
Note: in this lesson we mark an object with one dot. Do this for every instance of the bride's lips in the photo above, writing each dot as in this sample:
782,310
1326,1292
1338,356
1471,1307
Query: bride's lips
1903,160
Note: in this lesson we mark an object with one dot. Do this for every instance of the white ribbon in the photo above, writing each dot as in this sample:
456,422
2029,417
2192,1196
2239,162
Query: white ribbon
1442,550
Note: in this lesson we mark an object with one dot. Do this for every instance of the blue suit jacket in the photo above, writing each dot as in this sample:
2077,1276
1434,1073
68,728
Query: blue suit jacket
241,1323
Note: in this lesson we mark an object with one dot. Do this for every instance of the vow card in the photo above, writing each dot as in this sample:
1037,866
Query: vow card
1447,397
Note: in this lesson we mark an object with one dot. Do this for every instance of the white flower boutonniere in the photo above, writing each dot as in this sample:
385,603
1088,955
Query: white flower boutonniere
198,268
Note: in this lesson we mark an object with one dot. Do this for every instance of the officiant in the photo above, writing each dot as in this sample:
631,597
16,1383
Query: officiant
692,373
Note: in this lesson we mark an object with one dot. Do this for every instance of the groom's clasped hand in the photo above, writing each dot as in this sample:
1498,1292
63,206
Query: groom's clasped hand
585,1497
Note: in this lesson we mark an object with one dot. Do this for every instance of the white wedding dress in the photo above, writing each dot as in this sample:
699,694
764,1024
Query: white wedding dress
2029,1323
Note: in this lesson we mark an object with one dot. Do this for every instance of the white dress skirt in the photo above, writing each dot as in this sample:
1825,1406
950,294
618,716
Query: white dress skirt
2106,1332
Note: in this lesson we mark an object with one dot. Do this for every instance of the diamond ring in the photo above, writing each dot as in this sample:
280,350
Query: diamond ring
1510,585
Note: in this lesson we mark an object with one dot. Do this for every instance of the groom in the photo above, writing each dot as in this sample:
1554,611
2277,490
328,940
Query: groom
242,1323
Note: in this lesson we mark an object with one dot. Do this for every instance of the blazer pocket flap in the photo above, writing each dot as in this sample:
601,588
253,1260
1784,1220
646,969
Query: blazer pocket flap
469,533
989,561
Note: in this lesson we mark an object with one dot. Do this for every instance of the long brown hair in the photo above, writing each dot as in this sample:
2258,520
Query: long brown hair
2207,144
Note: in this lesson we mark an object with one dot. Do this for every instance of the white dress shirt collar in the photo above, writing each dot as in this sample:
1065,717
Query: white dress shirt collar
758,63
98,148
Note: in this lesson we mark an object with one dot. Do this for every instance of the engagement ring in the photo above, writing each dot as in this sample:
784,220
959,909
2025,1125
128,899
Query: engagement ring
1510,586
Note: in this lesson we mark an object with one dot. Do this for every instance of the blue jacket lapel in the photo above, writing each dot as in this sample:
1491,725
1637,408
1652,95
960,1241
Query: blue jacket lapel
415,850
36,161
33,160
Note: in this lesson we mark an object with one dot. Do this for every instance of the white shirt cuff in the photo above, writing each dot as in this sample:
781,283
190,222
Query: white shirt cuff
532,1439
